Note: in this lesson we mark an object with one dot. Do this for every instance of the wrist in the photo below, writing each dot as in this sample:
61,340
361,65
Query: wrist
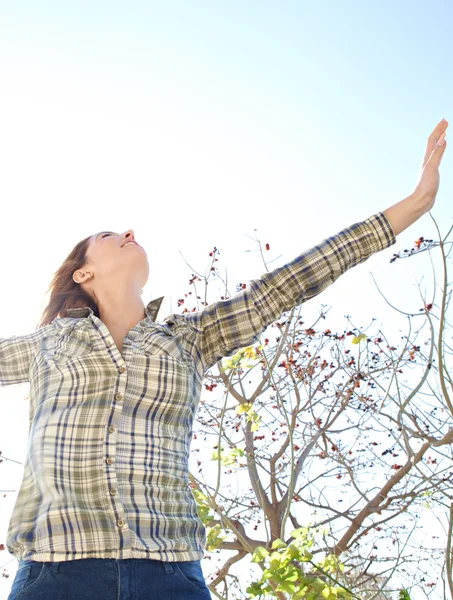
404,213
422,203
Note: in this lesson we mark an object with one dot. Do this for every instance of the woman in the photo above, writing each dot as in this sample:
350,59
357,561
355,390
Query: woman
105,509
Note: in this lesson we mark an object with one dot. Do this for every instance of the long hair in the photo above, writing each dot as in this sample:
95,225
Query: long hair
64,291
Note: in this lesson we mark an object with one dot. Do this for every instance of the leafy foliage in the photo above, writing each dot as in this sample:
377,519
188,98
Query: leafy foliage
283,567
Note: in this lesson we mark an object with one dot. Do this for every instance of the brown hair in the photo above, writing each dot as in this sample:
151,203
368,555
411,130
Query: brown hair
64,291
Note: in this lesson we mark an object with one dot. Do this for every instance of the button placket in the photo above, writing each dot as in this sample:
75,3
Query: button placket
120,363
113,491
110,460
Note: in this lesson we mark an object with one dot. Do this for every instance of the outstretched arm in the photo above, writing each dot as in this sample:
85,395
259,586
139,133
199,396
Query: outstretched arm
224,327
17,354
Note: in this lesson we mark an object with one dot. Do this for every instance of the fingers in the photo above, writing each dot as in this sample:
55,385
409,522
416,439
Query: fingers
441,141
433,138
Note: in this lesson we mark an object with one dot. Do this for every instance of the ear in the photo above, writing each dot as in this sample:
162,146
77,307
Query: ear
81,276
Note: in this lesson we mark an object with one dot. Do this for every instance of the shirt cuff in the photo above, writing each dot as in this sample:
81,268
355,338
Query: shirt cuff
382,230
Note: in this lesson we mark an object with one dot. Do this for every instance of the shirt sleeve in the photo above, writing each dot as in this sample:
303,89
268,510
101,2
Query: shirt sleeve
226,326
17,354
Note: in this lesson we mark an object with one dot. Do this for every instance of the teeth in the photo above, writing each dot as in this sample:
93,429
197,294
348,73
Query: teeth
129,243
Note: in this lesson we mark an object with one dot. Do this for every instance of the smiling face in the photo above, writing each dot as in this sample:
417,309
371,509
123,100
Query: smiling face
111,259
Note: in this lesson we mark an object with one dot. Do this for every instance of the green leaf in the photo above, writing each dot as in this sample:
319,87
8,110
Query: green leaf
237,452
278,543
292,551
301,533
251,415
307,555
291,573
259,554
242,408
215,453
275,560
214,537
254,589
228,364
287,587
318,584
358,338
227,459
203,507
275,576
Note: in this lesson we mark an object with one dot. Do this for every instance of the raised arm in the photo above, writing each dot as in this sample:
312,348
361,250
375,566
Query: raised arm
224,327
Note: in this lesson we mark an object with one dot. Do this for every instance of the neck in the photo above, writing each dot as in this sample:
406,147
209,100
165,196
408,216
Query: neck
120,311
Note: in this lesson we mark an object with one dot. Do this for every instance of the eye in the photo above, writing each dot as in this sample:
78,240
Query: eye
103,236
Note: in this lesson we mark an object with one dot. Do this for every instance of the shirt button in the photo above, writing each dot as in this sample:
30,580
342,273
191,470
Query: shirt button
118,397
109,460
113,492
111,429
122,369
120,522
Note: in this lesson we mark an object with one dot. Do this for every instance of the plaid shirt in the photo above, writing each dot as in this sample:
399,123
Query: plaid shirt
106,470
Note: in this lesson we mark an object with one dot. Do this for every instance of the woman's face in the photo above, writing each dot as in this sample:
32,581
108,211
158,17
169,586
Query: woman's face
111,257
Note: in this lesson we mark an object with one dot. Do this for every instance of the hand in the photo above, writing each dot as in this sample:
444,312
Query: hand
428,184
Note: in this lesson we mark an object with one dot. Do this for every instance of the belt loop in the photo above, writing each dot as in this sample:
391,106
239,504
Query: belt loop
54,566
169,568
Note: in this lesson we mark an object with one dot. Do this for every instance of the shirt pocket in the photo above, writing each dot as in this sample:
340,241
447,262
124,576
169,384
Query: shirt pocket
161,341
70,343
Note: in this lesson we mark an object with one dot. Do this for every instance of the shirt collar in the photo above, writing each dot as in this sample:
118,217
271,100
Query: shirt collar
151,310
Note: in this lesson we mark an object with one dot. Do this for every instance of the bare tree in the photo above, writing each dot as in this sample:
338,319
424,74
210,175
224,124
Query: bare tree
346,436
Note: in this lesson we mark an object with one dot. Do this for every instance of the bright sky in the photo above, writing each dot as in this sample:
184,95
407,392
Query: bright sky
195,124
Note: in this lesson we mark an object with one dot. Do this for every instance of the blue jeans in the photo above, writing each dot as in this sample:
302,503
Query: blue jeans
109,579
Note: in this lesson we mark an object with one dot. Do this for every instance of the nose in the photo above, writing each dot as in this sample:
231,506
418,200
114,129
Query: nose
128,236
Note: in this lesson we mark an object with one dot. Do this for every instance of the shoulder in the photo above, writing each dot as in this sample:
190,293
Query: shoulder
65,325
177,323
